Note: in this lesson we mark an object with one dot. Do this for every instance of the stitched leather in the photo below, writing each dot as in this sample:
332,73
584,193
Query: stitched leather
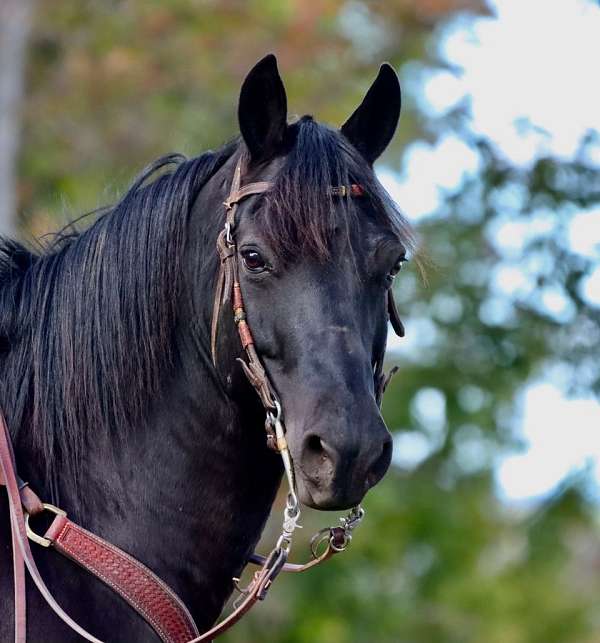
132,580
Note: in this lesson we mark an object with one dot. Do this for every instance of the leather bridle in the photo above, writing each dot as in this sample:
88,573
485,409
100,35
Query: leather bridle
228,288
133,581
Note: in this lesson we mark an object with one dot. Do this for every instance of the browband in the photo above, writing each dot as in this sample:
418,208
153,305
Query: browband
353,190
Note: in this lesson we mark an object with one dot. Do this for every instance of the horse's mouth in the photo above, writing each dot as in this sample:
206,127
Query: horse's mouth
328,497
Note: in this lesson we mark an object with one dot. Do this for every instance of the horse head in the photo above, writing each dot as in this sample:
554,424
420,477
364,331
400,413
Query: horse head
317,253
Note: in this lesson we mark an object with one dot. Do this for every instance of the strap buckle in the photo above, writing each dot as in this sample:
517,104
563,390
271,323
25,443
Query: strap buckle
40,540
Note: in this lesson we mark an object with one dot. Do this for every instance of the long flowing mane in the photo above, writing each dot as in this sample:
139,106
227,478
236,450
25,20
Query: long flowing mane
86,324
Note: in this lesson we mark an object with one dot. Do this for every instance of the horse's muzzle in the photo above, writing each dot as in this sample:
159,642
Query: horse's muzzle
335,471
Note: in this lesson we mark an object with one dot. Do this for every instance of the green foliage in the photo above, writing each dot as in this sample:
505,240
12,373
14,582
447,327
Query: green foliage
113,84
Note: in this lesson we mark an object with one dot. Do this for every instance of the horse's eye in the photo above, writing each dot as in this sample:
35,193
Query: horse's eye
396,268
253,261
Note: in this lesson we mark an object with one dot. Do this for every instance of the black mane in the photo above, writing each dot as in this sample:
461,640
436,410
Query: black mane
86,323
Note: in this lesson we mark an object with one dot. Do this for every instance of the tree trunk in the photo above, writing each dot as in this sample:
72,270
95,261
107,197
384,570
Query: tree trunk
15,24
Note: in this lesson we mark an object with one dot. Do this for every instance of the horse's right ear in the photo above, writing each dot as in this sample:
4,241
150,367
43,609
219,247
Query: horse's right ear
262,110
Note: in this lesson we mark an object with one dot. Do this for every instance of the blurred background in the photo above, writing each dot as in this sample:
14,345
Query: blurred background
487,526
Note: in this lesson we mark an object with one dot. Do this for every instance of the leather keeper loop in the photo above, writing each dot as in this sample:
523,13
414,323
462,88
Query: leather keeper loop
238,301
245,334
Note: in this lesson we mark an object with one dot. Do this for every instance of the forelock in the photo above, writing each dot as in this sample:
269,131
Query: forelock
300,214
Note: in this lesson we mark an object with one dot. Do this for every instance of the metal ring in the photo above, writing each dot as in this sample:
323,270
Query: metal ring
272,418
292,503
40,540
284,543
347,539
277,406
359,511
320,537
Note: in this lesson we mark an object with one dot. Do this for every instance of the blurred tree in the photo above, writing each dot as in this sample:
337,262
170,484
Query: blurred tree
15,23
113,84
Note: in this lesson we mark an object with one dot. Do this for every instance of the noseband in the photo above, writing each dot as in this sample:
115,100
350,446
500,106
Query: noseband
134,582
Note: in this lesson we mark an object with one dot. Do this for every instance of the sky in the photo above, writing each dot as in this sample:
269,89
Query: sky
522,72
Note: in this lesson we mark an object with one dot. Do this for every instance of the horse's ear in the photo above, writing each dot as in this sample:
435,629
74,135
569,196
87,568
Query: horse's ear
262,110
372,126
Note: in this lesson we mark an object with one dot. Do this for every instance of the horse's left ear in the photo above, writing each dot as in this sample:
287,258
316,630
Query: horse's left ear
372,126
262,110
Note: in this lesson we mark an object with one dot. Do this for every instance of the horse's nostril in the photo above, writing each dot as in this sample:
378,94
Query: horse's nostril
316,448
317,460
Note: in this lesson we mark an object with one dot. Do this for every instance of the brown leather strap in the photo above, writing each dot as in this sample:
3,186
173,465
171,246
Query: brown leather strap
335,545
20,599
395,320
295,568
353,190
223,288
32,504
17,519
257,591
152,599
132,580
228,286
226,249
239,194
20,595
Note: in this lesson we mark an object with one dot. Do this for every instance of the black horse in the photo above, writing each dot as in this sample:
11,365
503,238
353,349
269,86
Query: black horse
116,409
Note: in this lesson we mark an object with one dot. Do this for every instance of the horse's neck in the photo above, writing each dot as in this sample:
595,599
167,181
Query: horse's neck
188,494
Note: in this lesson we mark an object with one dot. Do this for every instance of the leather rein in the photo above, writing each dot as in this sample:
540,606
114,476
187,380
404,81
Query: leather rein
149,596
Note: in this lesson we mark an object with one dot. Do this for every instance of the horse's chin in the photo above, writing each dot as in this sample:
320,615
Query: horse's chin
327,499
